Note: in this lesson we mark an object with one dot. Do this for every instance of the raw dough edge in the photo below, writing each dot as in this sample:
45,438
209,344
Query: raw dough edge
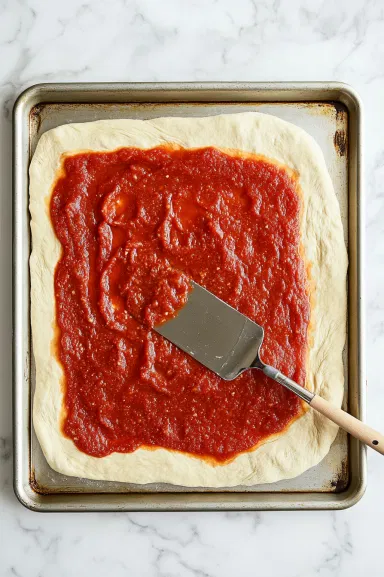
309,438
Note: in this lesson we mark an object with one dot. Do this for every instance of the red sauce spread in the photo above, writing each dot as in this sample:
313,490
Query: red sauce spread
134,226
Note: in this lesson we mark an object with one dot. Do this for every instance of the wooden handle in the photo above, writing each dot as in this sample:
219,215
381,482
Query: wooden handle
353,426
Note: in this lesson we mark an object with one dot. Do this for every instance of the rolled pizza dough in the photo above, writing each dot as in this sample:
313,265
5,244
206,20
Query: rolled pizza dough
309,437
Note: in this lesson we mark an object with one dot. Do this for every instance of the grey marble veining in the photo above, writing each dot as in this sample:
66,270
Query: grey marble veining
42,40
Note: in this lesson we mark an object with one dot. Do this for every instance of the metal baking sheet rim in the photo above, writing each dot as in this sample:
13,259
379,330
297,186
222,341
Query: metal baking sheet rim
199,93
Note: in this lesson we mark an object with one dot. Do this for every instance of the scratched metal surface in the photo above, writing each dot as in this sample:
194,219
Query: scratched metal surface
327,122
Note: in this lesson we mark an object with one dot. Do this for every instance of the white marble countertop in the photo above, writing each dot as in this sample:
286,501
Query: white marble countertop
152,40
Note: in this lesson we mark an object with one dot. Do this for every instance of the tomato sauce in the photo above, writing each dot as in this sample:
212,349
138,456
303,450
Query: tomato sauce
134,226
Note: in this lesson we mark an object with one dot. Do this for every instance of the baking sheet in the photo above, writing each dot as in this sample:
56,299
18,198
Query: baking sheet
333,123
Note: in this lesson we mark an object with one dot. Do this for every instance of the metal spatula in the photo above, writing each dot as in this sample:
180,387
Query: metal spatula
228,343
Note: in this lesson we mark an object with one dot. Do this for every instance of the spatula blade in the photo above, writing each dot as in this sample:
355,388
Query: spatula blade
214,333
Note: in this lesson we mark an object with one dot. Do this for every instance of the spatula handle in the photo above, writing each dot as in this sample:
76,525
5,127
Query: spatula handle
356,428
